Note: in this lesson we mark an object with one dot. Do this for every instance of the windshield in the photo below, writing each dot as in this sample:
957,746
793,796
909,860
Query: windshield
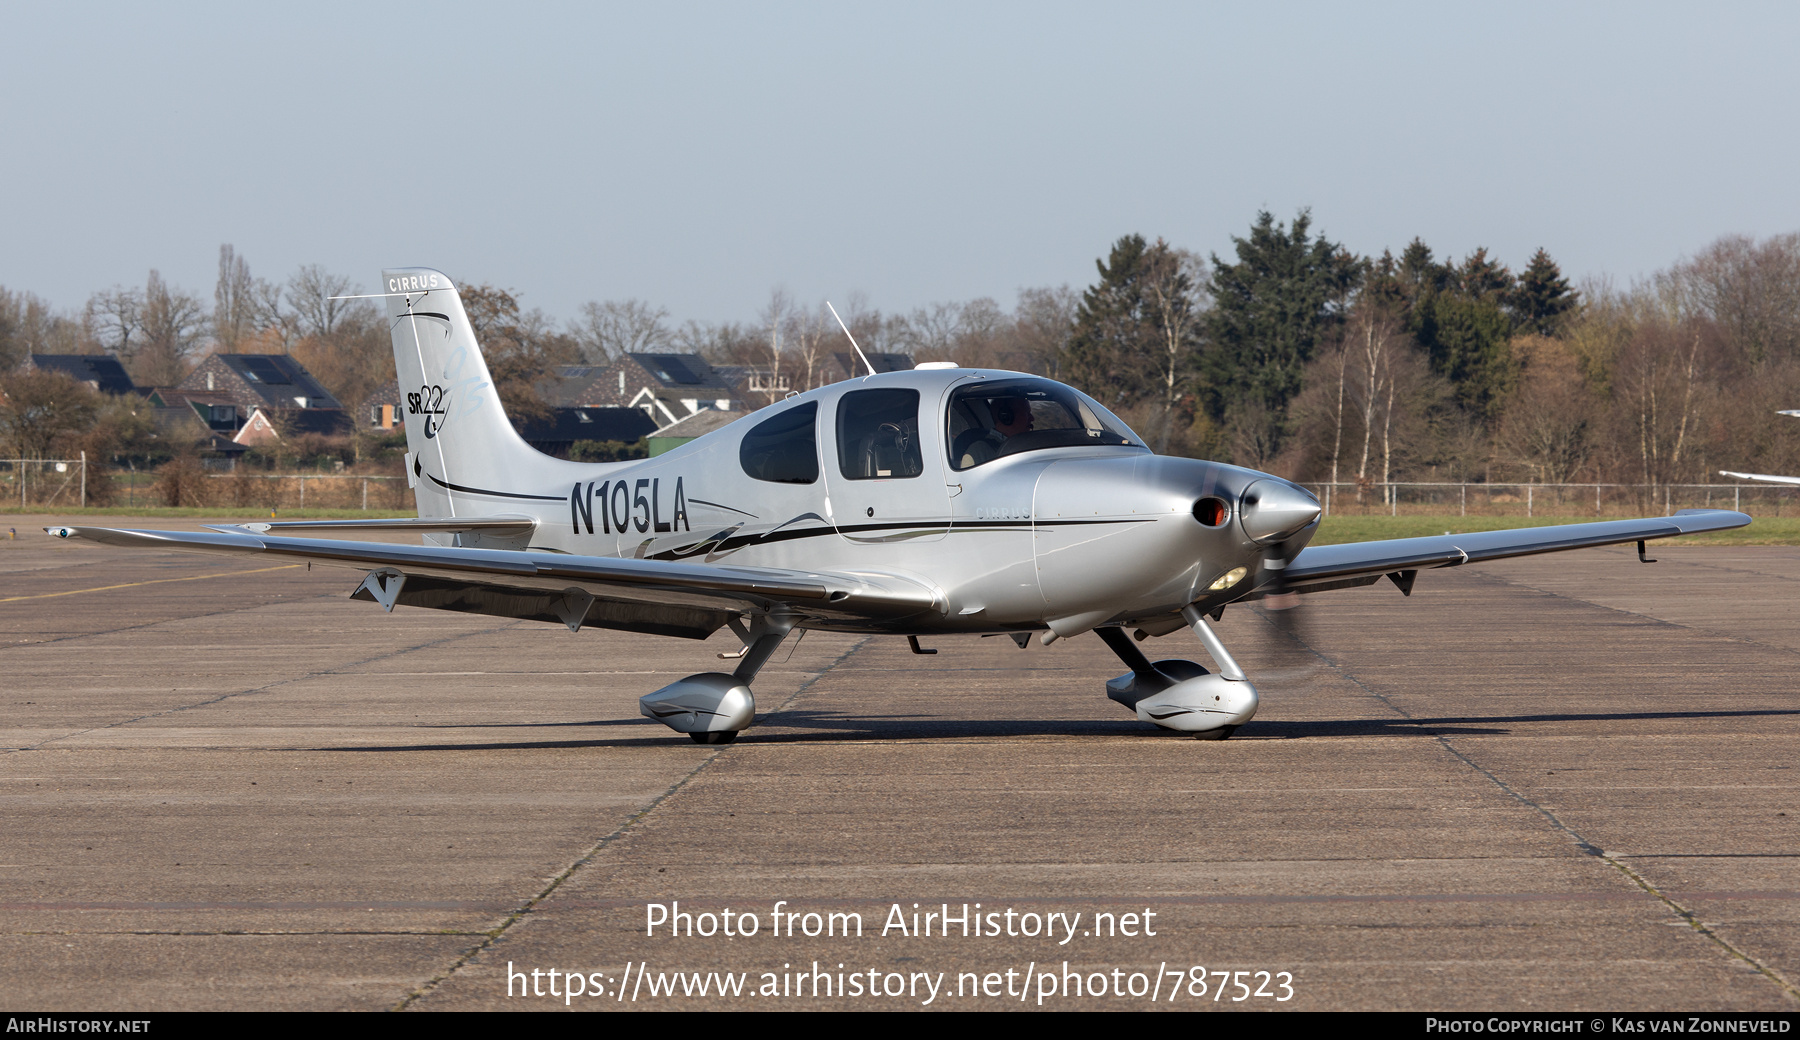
993,418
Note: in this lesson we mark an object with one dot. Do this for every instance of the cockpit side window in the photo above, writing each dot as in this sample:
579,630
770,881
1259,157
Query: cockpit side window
994,418
783,449
878,434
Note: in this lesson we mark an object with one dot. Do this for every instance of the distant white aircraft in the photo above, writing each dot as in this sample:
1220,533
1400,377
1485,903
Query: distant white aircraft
1766,476
931,502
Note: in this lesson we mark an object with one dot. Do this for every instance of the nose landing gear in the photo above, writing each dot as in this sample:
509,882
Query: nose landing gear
1181,695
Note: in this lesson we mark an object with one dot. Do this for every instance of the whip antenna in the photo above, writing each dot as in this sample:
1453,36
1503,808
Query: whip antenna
846,328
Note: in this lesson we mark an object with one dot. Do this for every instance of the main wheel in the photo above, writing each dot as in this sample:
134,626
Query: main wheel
718,736
1222,733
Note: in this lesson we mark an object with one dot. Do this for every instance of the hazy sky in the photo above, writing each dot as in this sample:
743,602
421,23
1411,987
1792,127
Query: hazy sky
699,155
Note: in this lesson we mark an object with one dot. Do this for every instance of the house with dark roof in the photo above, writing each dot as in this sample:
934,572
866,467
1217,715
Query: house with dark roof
103,372
385,411
846,365
580,386
665,387
260,381
557,433
679,432
268,425
217,410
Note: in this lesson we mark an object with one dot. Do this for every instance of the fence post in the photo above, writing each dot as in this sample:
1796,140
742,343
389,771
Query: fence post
84,480
365,496
1528,490
302,491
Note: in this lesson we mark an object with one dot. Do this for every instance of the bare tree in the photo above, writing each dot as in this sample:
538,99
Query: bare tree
272,321
1751,289
809,332
774,319
1172,286
1371,346
116,316
728,343
171,321
30,325
234,305
1042,323
617,327
1548,428
1657,393
313,292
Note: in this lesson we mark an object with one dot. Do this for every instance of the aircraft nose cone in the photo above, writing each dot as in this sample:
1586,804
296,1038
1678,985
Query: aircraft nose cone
1274,509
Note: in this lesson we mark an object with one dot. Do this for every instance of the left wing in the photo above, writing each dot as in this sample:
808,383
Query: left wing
660,596
1760,476
1318,568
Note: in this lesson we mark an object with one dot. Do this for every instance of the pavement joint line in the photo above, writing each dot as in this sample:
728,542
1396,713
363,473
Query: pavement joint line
1682,913
519,913
255,689
1651,618
152,581
265,933
159,621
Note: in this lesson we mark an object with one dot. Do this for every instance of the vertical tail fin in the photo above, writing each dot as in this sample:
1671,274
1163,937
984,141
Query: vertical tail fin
458,438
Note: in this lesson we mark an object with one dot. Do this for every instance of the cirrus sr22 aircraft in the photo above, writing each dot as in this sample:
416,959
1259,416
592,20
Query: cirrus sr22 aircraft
937,501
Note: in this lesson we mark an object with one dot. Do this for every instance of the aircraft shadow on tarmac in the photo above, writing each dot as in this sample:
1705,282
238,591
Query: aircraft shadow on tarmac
819,726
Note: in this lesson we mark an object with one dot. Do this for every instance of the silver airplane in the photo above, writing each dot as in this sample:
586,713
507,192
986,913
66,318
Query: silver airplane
931,502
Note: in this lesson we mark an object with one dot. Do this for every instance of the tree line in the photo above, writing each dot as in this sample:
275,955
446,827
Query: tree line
1290,353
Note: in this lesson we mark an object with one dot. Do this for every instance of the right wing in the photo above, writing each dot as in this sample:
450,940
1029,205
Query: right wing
665,597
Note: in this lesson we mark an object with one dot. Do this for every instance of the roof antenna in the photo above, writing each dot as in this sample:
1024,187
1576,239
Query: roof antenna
846,328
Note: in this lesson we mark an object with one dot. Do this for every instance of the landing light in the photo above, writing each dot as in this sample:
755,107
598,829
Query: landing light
1228,579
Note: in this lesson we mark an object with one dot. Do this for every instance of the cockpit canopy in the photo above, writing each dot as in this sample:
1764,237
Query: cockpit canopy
993,418
877,430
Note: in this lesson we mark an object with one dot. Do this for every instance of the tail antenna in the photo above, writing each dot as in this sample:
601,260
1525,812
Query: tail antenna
846,328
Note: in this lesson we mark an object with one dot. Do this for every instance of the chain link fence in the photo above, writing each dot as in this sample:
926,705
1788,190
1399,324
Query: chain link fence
46,482
1348,498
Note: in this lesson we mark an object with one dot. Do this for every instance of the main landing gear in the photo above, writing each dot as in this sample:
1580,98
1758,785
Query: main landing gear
712,707
1181,695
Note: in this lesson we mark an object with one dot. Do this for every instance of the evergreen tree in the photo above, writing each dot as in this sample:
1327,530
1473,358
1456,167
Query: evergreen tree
1457,318
1421,271
1542,298
1471,345
1271,309
1480,278
1107,356
1386,288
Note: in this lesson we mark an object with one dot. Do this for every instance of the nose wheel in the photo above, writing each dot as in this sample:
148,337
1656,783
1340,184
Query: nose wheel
720,736
1181,695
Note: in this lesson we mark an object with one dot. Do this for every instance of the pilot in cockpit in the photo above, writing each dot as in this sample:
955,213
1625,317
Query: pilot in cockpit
1011,415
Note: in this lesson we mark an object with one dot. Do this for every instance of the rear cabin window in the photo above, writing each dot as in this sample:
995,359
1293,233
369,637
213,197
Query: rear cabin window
878,434
783,449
